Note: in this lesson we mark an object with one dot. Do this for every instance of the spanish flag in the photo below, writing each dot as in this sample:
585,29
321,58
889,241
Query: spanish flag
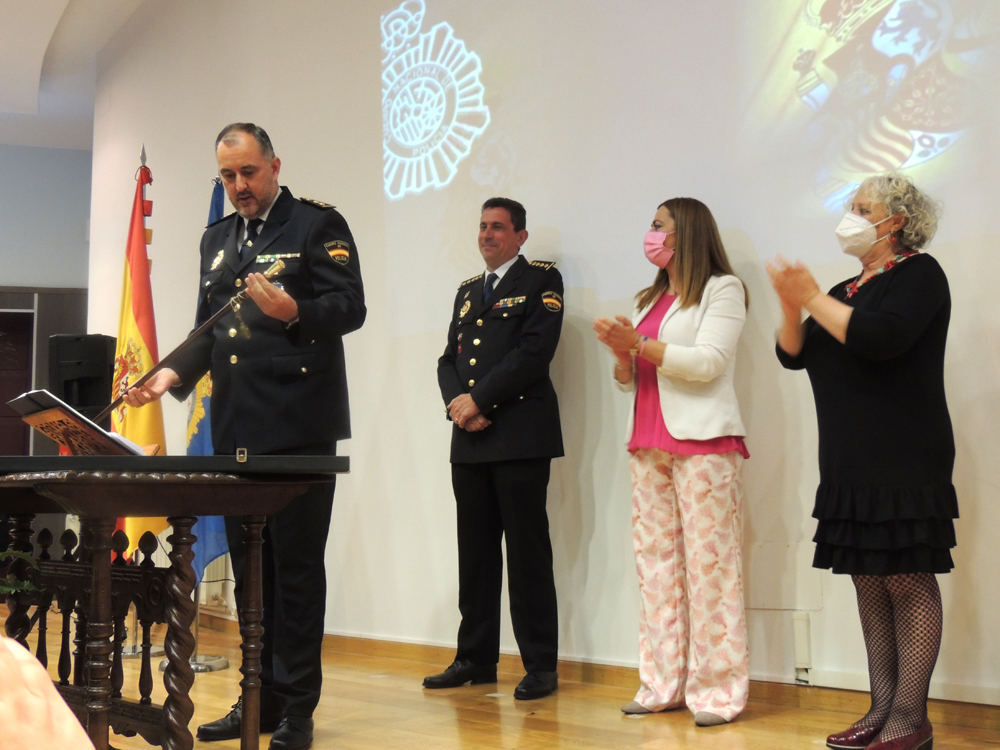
136,352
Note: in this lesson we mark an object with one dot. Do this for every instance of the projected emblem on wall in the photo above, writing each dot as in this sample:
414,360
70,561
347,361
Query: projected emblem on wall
432,102
888,82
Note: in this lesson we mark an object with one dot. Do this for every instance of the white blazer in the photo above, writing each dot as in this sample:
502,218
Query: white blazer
695,378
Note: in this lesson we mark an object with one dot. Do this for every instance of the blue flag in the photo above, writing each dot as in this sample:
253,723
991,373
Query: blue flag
210,530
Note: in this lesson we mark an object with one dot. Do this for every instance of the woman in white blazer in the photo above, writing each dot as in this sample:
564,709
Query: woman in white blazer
685,437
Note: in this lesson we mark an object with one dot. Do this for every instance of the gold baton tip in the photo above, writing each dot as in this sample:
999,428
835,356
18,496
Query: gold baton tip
275,269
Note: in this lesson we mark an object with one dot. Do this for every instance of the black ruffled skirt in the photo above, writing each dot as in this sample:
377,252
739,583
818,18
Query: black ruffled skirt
885,529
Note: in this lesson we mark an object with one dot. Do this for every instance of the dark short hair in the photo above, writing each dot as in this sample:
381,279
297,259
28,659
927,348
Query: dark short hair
518,216
258,133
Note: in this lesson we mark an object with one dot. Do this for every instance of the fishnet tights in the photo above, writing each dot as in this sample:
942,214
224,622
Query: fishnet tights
901,620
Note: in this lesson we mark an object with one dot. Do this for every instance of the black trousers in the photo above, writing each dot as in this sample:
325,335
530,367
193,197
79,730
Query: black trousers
505,500
294,595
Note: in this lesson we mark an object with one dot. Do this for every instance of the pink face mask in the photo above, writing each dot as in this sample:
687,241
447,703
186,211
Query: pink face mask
658,255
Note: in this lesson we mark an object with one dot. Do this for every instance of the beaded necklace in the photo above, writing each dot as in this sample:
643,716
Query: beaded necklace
852,288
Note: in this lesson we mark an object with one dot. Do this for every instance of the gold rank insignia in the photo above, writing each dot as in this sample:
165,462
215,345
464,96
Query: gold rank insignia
465,308
545,265
552,301
217,261
318,204
469,281
339,251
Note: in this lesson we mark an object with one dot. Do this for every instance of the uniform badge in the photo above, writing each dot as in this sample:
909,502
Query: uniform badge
217,261
466,295
339,251
465,308
552,301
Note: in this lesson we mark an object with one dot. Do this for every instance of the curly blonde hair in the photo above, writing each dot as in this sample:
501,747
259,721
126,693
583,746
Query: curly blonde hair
898,195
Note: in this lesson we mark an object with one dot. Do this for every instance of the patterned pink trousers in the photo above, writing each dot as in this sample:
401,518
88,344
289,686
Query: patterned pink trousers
687,521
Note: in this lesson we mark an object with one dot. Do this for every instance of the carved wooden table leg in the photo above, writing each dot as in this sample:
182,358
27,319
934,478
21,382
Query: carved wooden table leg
99,629
179,643
251,630
18,623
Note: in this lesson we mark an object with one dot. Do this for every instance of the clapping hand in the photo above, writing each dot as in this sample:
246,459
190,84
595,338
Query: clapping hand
794,284
617,334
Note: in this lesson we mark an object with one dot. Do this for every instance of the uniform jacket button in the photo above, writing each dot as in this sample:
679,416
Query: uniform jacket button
472,383
472,361
476,342
233,359
232,333
304,369
479,322
239,282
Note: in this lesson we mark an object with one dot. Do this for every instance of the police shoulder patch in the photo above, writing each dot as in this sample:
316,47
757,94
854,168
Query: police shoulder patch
316,203
545,265
553,301
339,251
469,281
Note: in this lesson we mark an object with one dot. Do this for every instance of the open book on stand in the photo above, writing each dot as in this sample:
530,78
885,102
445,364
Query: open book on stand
60,422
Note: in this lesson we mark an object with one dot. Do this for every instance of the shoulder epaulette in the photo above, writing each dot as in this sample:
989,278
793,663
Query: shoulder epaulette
545,265
219,221
316,203
469,281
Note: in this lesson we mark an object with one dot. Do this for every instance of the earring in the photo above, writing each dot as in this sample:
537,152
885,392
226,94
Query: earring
892,239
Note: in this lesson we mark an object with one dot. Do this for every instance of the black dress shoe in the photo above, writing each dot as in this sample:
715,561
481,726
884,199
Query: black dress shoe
536,685
229,726
461,672
293,733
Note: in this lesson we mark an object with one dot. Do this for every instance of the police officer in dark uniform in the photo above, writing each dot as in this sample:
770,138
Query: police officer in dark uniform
279,387
494,377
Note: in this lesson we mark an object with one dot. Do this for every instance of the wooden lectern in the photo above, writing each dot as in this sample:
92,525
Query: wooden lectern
101,489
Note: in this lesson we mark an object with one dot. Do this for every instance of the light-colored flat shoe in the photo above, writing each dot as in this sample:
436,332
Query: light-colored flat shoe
635,707
708,719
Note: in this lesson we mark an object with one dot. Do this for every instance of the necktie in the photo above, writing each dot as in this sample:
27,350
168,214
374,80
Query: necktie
488,289
252,227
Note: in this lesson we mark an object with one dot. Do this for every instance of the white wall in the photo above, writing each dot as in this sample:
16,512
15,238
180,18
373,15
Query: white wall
44,213
602,112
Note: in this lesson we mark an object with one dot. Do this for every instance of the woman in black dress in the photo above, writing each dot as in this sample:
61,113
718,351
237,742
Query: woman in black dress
874,350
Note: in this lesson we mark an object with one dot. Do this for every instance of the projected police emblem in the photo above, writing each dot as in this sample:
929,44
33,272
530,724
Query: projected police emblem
432,102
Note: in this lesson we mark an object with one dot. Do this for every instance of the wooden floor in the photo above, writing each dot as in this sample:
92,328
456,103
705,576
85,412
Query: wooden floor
372,698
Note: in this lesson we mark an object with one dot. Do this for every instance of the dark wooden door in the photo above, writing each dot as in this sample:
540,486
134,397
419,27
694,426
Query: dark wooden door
15,378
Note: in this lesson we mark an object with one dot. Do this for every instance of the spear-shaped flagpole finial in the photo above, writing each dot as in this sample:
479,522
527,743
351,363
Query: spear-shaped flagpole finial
142,155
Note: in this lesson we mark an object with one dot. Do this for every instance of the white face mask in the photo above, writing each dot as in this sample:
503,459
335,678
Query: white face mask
856,234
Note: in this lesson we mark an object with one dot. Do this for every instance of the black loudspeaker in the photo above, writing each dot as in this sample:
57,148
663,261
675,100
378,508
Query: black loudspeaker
81,371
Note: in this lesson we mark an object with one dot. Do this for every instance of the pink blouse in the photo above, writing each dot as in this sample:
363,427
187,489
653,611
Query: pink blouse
649,430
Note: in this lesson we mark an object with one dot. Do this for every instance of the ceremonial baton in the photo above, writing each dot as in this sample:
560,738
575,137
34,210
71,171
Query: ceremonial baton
232,305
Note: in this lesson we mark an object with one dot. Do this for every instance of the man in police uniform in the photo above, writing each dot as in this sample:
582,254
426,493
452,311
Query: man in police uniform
280,387
494,377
